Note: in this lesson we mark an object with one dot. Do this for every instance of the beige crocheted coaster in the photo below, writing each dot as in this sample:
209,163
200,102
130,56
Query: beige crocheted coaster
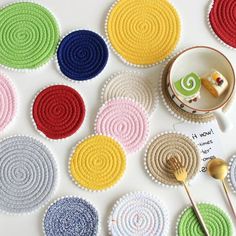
177,111
167,145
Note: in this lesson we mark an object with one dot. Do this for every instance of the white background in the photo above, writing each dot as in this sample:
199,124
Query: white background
91,14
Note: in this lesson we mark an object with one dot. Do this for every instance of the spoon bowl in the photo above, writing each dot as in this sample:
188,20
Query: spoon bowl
217,168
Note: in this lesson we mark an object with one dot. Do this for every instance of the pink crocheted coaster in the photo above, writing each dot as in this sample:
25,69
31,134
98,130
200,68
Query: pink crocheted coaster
124,120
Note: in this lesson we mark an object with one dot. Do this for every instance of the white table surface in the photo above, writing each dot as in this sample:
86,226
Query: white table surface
73,14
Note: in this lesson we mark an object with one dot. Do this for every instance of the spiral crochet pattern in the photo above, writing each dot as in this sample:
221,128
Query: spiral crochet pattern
58,111
97,163
7,101
28,174
232,173
82,55
217,222
131,85
165,146
138,214
125,121
143,32
71,216
222,18
29,35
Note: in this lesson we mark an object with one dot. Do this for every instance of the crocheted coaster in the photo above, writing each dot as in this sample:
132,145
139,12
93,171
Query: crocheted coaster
97,163
7,102
82,55
177,111
232,173
27,40
124,120
138,214
222,20
217,222
131,85
58,111
72,216
163,147
28,174
143,32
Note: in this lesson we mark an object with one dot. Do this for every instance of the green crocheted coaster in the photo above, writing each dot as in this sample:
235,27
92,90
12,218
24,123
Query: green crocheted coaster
215,219
29,35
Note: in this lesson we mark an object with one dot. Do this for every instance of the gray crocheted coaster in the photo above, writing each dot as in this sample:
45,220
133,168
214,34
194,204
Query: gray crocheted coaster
27,174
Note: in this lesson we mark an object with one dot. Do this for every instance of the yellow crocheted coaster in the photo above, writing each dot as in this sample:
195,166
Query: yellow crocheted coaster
97,163
143,32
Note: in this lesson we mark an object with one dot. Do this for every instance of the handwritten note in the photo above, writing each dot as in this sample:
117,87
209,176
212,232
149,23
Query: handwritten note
206,136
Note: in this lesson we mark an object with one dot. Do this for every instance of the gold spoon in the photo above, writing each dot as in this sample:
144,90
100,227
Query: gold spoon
218,169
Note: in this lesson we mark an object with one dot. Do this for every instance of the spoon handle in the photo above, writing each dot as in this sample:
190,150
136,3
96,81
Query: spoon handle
228,198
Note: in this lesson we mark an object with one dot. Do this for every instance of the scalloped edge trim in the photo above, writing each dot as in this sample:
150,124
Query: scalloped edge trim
16,103
57,63
190,206
137,65
139,75
39,68
55,185
191,180
141,108
211,29
148,194
231,161
71,196
32,118
85,188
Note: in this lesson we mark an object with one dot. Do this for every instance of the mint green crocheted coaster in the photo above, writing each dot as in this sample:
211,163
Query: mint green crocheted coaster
215,219
29,35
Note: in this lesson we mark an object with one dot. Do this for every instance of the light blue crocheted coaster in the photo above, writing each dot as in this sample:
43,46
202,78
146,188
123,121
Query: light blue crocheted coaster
71,216
232,173
27,174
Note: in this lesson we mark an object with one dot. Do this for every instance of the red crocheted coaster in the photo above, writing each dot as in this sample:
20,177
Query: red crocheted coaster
58,111
223,20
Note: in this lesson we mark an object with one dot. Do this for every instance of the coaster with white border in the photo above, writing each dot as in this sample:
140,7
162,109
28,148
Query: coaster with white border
232,173
138,213
132,85
28,174
166,145
125,120
72,216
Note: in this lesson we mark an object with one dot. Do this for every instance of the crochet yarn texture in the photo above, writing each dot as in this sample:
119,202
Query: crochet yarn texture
7,102
217,222
29,35
71,216
222,18
125,121
28,174
143,32
58,111
97,163
138,214
82,55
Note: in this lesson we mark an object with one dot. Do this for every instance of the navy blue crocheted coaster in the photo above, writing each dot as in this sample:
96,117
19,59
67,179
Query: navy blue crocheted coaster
82,55
71,216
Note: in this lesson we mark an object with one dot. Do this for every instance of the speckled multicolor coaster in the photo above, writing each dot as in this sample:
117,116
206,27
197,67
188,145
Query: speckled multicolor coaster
232,173
143,32
29,35
131,85
167,145
82,55
8,102
58,111
177,111
97,163
124,120
222,21
217,222
28,174
138,213
72,216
